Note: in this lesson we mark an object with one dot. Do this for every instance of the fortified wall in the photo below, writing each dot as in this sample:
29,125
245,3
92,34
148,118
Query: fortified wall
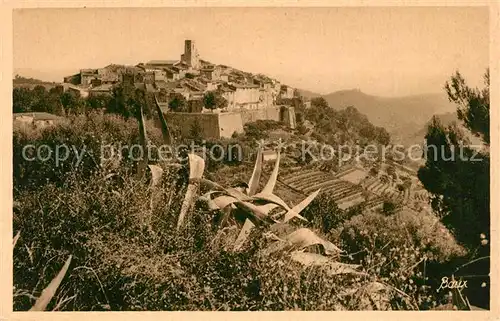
224,125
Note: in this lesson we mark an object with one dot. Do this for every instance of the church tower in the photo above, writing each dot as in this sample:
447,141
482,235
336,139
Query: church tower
190,56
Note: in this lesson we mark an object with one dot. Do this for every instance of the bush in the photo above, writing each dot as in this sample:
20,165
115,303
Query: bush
106,223
324,214
84,136
126,257
398,247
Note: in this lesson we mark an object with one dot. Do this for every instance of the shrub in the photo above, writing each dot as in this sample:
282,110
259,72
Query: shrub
84,136
95,221
398,247
324,214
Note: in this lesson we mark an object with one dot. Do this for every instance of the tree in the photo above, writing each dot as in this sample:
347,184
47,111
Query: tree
72,102
196,132
391,171
473,104
319,102
98,102
120,100
457,181
388,207
382,136
214,100
177,103
126,100
22,100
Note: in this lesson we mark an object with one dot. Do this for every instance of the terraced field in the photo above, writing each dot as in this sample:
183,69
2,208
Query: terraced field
419,195
377,187
346,194
354,175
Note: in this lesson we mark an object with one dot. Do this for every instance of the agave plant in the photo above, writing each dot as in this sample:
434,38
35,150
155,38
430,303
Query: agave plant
258,205
260,208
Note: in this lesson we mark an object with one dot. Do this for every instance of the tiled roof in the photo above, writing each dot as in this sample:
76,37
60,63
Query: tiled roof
238,85
88,71
226,89
181,65
162,62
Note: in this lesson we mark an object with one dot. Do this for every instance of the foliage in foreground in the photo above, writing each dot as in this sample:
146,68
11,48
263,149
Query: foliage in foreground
126,255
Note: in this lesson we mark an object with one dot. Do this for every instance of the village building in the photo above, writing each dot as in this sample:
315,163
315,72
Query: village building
190,56
211,72
110,74
173,74
249,97
159,64
287,92
239,96
86,76
37,119
82,92
103,89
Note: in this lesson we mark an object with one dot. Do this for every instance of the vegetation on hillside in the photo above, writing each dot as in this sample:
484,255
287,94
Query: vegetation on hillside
456,174
343,127
126,255
191,234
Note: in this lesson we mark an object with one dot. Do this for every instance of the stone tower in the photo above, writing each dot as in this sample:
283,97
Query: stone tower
190,56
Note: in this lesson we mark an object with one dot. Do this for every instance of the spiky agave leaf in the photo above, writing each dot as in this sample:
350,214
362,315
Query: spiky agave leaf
294,212
156,174
224,200
269,188
301,239
207,198
14,241
267,208
49,292
253,184
196,168
271,198
330,266
238,194
143,139
304,237
243,235
254,210
167,137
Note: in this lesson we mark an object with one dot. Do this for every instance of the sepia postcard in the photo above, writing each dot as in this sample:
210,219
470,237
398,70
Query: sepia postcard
208,157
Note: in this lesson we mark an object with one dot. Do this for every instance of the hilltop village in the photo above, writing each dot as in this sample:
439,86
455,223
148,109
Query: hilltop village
249,97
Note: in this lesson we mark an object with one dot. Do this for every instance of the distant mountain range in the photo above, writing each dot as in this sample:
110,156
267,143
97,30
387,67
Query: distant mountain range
417,137
403,117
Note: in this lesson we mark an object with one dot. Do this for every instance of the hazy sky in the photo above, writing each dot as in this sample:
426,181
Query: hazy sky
382,51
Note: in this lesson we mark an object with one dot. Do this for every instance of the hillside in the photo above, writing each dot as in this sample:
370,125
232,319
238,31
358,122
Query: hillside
446,119
25,82
418,136
401,116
